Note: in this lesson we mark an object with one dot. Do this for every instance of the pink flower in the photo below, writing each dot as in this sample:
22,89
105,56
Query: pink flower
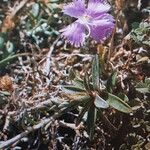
93,21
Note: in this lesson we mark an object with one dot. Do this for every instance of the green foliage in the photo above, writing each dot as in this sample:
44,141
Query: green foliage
111,82
41,25
118,103
94,95
37,24
6,50
140,33
97,97
143,87
91,119
96,72
100,102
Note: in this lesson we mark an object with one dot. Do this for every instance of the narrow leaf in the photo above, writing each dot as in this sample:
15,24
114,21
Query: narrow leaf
87,83
71,89
80,96
111,81
123,97
83,111
100,102
78,82
91,117
96,72
118,103
143,87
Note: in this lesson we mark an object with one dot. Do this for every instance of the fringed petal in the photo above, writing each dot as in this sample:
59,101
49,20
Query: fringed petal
75,8
74,34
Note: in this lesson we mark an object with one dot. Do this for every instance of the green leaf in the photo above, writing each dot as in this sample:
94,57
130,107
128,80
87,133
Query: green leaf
74,104
68,105
5,93
83,111
2,41
96,72
100,102
118,103
80,96
143,87
78,83
91,118
71,89
7,59
111,82
123,97
87,83
140,33
135,25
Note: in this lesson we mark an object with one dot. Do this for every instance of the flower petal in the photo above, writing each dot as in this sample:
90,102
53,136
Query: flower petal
75,9
97,0
95,9
102,31
74,34
101,20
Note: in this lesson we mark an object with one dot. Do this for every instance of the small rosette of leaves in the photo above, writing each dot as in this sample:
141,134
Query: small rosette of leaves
91,95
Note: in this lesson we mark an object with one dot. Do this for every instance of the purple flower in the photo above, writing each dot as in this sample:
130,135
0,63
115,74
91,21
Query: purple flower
92,20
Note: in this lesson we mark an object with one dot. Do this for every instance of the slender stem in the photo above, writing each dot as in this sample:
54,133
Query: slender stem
10,57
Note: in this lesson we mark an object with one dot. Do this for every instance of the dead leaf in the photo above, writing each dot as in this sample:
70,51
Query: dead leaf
8,24
6,83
